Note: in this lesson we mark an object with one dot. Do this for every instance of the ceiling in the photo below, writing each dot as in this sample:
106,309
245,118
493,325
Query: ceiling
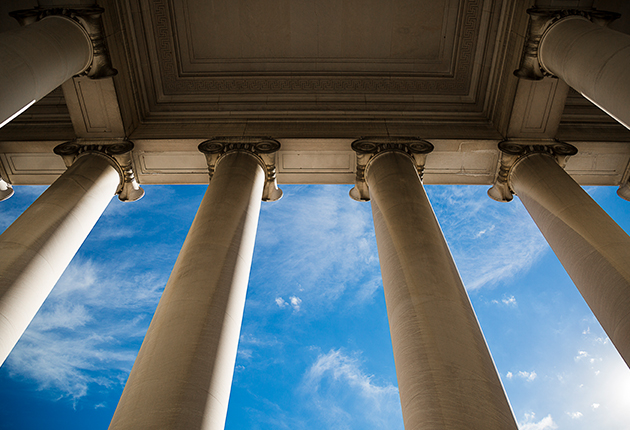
315,74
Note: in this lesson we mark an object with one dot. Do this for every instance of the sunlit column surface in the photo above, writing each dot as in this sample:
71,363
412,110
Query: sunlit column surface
592,59
39,245
593,249
446,376
183,374
36,59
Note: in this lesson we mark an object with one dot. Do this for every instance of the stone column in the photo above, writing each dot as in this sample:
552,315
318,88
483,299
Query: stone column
446,377
577,47
593,249
183,373
39,245
53,46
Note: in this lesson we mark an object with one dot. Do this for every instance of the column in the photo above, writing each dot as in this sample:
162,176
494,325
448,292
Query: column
39,245
578,48
593,249
53,46
446,377
183,373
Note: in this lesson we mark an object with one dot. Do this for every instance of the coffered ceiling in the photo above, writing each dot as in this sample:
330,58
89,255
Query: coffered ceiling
315,74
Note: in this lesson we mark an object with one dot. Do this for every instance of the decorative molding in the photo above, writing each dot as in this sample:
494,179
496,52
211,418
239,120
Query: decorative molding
512,152
173,84
262,148
117,152
367,148
89,18
541,20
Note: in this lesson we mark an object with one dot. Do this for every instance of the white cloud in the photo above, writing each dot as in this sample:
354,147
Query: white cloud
281,303
327,247
484,246
581,355
344,393
595,406
528,376
509,301
575,415
529,423
295,303
83,335
509,375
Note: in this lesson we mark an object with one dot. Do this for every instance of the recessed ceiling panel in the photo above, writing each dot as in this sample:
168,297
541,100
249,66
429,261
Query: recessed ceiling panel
316,36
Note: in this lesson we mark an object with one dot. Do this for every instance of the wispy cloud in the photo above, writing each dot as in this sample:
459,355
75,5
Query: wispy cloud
344,394
490,241
530,423
84,334
320,247
528,376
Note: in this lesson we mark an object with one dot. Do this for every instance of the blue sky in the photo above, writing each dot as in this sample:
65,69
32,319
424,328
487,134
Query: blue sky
315,351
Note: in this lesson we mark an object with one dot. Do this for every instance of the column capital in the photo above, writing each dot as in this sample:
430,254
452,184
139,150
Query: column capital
89,19
264,149
117,152
541,20
512,152
367,148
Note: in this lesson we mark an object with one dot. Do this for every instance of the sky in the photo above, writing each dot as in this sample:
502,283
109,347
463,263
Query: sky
315,350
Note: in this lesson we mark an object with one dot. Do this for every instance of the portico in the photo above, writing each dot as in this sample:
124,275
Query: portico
425,96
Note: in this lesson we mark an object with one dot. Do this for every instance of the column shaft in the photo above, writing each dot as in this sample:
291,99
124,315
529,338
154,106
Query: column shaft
593,249
39,245
37,58
592,59
446,376
183,374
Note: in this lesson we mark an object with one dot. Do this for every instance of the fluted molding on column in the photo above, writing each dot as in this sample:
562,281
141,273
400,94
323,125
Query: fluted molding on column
89,19
264,149
513,151
367,147
117,152
541,20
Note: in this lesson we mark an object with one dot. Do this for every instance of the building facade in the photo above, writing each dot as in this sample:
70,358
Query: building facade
99,99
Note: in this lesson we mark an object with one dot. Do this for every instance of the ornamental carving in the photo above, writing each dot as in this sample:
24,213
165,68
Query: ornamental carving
540,21
263,148
512,151
90,19
117,152
367,148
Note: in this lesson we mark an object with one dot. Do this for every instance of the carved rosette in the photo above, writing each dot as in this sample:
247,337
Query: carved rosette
512,152
541,20
367,148
89,18
262,148
117,152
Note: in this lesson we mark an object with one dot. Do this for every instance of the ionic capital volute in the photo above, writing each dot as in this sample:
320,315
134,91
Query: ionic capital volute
117,152
88,18
264,149
512,152
368,148
540,22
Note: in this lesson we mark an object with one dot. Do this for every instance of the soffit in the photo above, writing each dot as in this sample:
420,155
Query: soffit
279,59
